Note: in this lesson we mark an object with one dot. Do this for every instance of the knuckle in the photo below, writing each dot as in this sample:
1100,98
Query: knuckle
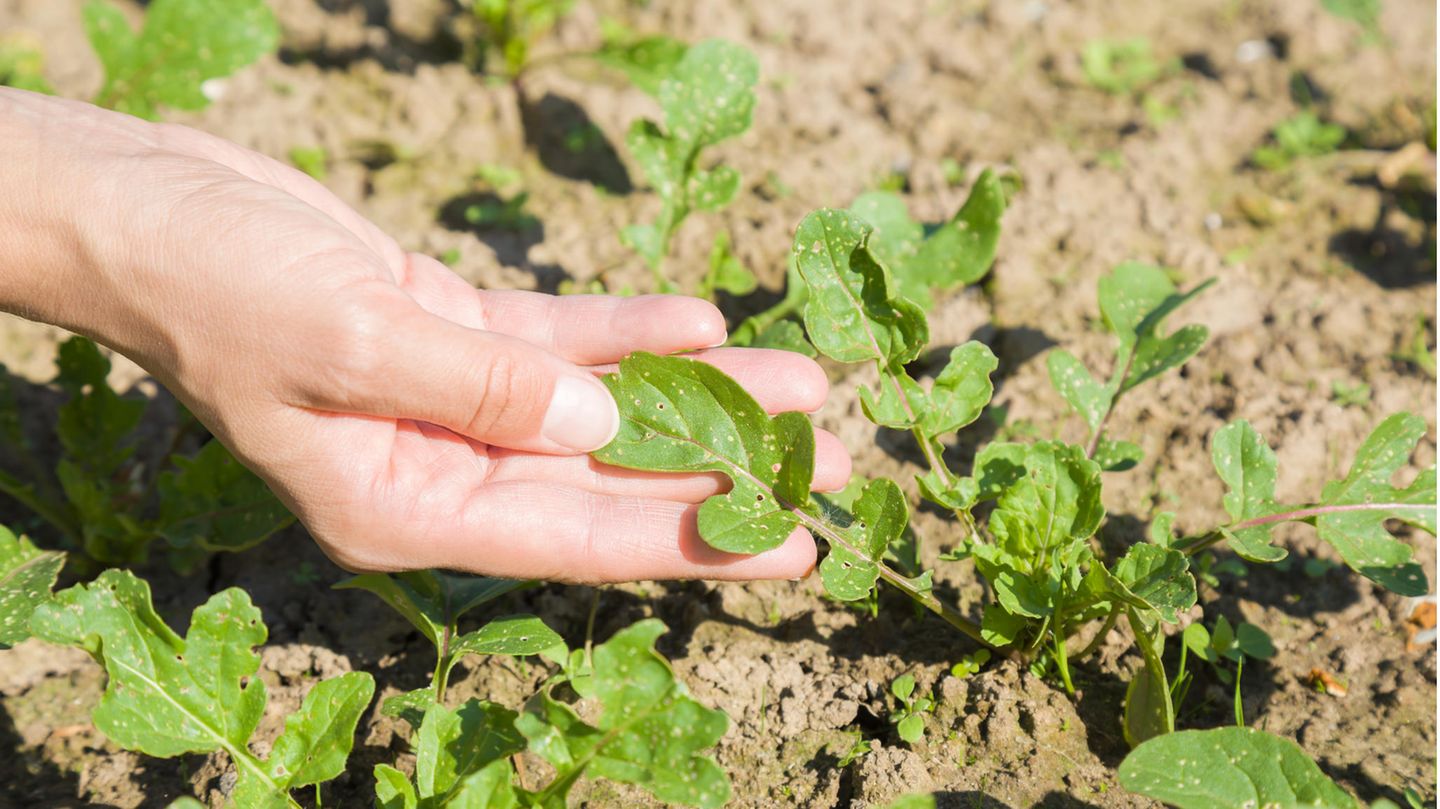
508,392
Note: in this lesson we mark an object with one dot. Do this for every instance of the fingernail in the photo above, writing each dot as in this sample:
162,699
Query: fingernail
582,415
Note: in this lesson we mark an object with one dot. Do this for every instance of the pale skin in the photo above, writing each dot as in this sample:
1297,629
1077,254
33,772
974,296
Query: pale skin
408,419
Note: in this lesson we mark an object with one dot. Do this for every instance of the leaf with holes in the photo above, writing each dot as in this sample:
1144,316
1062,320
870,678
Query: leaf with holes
680,415
1247,466
879,518
1229,768
26,576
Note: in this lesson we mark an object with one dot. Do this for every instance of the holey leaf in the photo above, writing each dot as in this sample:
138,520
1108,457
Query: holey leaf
879,517
1135,299
960,393
649,732
710,94
853,313
680,415
1248,467
1357,507
1229,768
183,44
1053,506
168,695
26,576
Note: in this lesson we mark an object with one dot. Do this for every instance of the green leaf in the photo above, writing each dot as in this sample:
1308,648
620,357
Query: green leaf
645,60
1054,506
166,695
679,415
1117,456
999,627
961,391
182,44
453,744
645,240
915,801
1148,710
726,273
911,729
95,425
962,250
318,737
650,732
516,635
1073,382
902,687
1159,577
712,190
880,516
786,335
1362,502
22,64
710,94
1229,768
852,312
1135,299
1247,466
1253,642
431,600
212,502
894,239
27,575
410,705
393,790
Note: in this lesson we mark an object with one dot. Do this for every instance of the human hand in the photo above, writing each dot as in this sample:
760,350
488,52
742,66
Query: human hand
409,420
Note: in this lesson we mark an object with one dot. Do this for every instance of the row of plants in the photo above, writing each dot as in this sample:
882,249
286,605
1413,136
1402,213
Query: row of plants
860,283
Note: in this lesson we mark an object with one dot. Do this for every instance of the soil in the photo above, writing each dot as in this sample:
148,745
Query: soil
1324,280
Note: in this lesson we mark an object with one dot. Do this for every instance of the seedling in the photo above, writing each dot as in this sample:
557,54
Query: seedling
1350,395
1301,136
182,46
107,499
908,717
649,732
1123,67
1225,643
168,695
707,98
508,29
971,663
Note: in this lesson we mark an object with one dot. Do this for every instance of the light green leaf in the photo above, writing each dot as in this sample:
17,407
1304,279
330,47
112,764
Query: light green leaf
962,250
1359,505
490,788
26,576
894,238
961,390
880,516
1117,456
409,705
318,737
451,745
852,312
516,635
997,467
646,61
1159,577
1053,506
999,627
1253,642
915,801
1247,466
680,415
899,403
710,94
1229,768
786,335
645,240
393,790
1135,299
166,695
911,729
712,190
211,502
1073,382
182,44
650,732
727,274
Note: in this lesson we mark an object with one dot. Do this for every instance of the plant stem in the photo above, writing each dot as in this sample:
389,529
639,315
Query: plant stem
1119,383
441,679
1057,631
1110,621
590,626
927,447
1239,706
1194,544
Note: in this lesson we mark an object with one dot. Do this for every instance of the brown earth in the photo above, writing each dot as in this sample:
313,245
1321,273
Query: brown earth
1324,280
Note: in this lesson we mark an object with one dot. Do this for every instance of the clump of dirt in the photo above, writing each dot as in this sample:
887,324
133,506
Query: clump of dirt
1326,277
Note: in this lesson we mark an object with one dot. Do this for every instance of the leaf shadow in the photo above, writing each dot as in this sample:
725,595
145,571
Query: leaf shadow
504,226
569,144
395,51
1383,253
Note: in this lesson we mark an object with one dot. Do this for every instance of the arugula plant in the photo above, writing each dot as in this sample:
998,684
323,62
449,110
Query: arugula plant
27,574
707,97
923,259
1229,643
182,45
105,497
1296,138
909,714
169,695
1123,67
649,731
508,29
1035,548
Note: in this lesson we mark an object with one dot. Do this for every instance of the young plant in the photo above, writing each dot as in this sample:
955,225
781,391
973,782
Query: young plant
649,731
508,29
182,45
909,714
1296,138
1123,67
1229,768
707,98
168,696
105,498
1135,299
922,259
1234,644
970,664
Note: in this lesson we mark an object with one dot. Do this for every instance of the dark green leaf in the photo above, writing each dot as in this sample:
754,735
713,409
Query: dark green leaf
212,502
1159,577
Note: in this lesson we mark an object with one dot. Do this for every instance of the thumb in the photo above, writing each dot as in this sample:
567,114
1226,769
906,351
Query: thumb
487,386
